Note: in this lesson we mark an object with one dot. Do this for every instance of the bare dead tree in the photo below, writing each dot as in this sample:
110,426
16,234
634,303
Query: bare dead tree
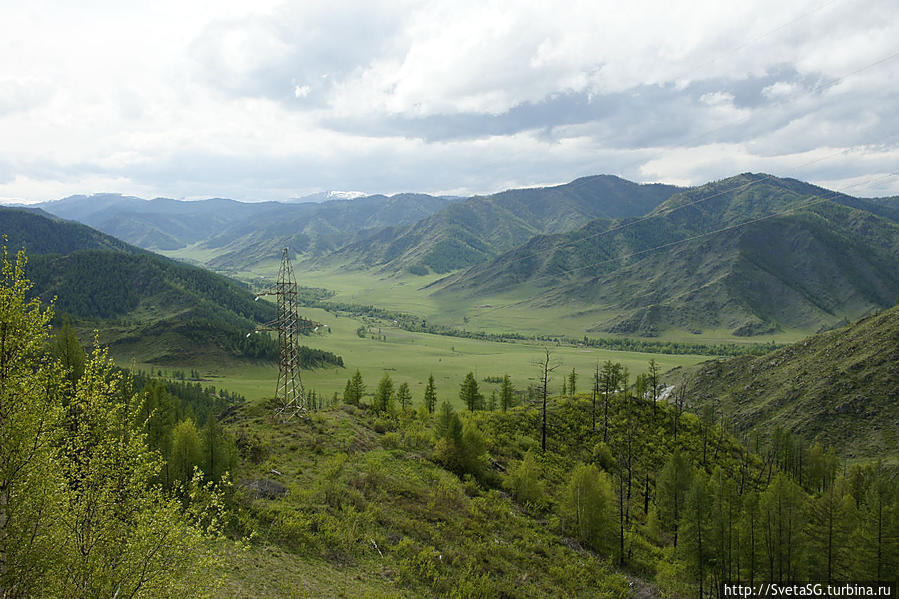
545,369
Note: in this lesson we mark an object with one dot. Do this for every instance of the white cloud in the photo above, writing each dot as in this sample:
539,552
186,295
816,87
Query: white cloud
198,99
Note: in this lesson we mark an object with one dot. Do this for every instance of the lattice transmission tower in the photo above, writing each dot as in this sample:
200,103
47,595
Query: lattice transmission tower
290,398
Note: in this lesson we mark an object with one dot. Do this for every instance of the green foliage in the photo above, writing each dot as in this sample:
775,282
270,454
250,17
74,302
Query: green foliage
525,484
673,483
186,451
69,353
430,399
506,393
837,388
384,395
31,387
696,525
354,390
782,513
404,396
590,507
469,393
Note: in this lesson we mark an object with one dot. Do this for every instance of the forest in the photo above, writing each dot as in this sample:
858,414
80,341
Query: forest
119,484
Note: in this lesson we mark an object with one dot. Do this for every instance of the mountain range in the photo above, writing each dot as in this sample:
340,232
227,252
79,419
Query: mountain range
749,255
752,254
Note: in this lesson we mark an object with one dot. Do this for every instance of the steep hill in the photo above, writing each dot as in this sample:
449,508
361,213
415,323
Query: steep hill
752,254
840,388
470,232
148,307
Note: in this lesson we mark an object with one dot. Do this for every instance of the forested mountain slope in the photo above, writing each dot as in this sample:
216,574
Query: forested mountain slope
42,233
840,388
146,306
751,254
470,232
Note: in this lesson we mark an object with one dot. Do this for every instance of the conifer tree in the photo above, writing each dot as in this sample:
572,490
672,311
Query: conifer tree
506,393
696,527
354,389
384,394
572,382
430,395
470,395
404,396
672,485
69,353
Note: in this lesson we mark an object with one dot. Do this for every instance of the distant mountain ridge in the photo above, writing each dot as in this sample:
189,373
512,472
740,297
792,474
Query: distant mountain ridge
787,254
242,233
470,232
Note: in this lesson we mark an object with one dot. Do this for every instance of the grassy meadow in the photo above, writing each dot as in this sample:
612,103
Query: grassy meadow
411,357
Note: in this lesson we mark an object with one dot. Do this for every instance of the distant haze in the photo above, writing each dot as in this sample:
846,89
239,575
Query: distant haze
279,101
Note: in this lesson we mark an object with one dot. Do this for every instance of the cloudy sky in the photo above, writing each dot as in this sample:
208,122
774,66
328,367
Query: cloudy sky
272,100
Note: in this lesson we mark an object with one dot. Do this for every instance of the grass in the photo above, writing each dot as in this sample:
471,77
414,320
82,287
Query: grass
369,514
411,357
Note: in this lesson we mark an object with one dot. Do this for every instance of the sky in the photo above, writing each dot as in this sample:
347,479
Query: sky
270,100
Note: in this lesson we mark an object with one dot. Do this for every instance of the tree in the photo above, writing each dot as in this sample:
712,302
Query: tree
697,529
595,394
506,393
30,391
611,374
653,379
187,451
384,394
430,395
572,381
781,509
876,539
469,393
680,401
404,396
545,369
354,390
832,517
672,485
524,482
491,404
590,505
219,451
69,353
460,448
123,536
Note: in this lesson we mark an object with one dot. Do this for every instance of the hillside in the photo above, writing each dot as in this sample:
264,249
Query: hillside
470,232
839,388
313,230
242,233
42,233
147,306
695,264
